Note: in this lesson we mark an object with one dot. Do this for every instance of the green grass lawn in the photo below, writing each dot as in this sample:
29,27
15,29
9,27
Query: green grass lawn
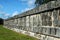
6,34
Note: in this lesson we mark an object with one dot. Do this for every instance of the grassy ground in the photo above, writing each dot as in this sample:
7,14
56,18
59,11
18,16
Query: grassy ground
6,34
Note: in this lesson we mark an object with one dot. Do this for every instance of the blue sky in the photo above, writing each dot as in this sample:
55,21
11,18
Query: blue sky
9,8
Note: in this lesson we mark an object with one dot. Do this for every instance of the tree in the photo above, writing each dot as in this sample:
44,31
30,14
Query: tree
1,21
39,2
46,1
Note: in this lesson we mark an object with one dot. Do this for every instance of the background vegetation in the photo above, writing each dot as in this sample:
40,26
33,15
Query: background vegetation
40,2
1,21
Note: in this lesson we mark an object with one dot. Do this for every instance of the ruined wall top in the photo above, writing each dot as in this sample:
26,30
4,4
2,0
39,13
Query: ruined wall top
43,7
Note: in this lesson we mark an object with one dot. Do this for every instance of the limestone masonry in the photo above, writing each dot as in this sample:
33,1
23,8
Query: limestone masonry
42,22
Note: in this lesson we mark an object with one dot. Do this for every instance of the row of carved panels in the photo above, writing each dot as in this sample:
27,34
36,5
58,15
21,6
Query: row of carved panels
48,31
46,37
54,32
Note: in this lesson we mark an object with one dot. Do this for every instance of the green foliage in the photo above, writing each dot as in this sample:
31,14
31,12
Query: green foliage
39,2
6,34
46,1
1,21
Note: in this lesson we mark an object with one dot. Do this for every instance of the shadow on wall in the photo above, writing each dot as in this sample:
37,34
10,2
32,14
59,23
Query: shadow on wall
1,21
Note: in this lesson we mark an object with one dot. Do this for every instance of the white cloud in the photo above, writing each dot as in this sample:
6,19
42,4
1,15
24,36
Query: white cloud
31,3
4,15
26,9
28,2
15,13
7,14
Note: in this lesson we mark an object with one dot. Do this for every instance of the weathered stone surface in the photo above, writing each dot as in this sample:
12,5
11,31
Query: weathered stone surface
42,21
58,32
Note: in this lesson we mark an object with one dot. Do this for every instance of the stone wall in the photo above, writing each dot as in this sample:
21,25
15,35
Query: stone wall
42,22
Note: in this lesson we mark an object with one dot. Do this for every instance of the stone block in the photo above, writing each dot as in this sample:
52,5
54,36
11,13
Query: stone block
56,38
58,32
53,31
43,37
53,4
50,38
46,31
40,29
57,3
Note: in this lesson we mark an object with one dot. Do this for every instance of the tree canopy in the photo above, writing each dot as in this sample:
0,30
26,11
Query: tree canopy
39,2
1,21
